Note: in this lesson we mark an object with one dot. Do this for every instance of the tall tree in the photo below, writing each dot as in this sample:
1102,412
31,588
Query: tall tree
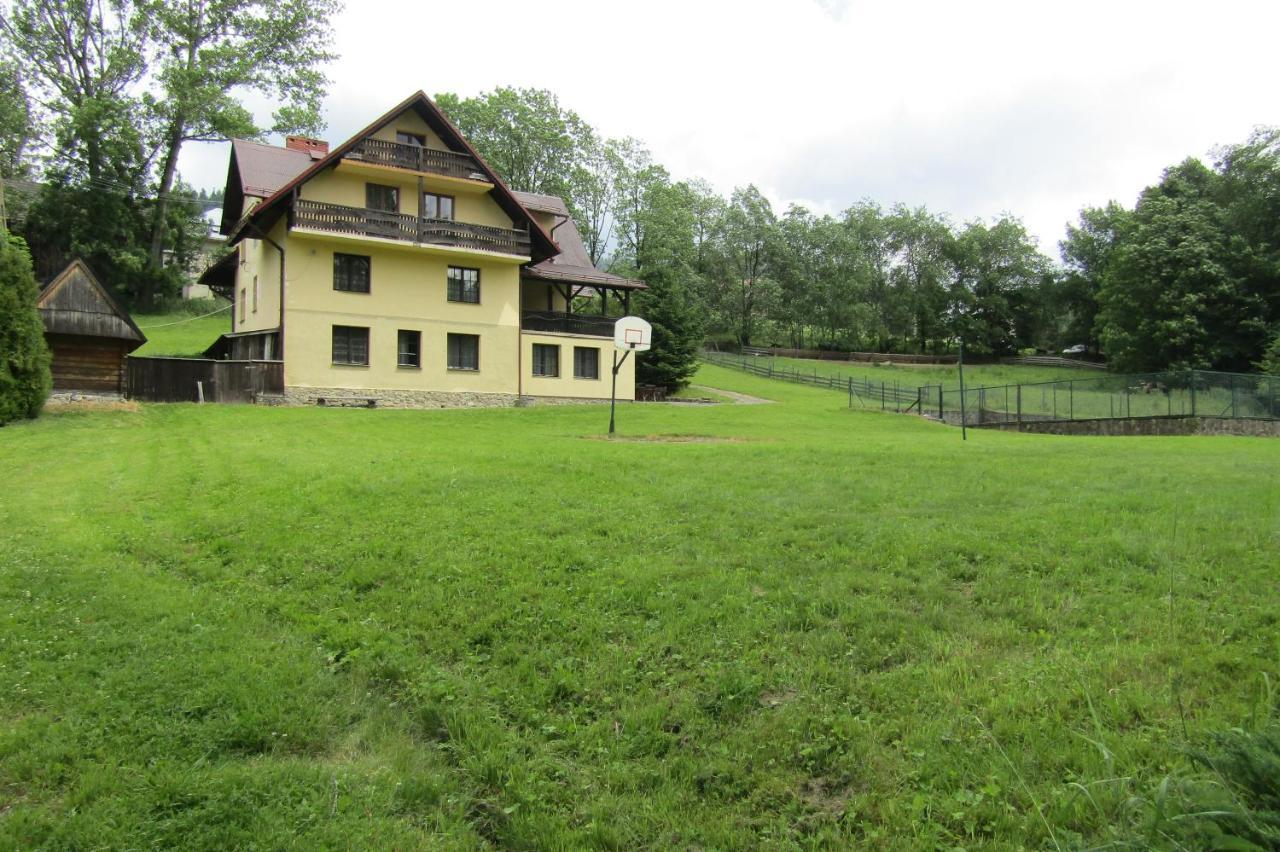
918,243
525,134
748,228
216,51
1173,296
81,57
1087,253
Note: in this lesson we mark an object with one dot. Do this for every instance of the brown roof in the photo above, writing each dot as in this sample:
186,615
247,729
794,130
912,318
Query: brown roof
75,302
439,122
572,264
266,168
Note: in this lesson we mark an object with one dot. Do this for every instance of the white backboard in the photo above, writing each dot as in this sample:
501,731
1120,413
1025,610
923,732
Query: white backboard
632,333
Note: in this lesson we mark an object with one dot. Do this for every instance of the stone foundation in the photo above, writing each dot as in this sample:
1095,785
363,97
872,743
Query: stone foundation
1148,426
385,398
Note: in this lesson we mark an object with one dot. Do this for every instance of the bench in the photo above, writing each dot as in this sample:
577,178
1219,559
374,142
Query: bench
346,401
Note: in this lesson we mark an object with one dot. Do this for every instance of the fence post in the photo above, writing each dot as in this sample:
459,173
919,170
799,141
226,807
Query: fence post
882,396
1191,382
1234,413
1019,404
851,391
1071,400
1055,401
941,416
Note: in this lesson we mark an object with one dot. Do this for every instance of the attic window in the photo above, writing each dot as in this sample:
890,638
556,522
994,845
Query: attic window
411,139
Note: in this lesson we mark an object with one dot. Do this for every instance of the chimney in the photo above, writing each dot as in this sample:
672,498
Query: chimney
317,148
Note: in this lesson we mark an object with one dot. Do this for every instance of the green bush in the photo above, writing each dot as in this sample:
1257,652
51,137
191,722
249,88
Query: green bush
24,357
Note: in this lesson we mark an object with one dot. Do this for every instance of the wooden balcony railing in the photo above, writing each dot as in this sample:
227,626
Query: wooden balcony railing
558,321
363,222
417,158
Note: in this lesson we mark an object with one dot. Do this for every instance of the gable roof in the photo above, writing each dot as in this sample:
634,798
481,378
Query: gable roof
257,171
266,213
573,263
75,302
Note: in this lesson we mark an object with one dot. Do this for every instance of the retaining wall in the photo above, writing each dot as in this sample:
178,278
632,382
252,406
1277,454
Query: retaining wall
1147,426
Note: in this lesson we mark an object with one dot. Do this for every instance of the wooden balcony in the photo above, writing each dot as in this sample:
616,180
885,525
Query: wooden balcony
559,322
416,158
362,222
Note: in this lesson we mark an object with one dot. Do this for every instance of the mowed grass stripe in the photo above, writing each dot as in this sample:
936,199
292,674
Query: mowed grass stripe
478,627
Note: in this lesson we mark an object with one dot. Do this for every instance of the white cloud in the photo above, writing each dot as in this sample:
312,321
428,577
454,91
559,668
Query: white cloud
969,108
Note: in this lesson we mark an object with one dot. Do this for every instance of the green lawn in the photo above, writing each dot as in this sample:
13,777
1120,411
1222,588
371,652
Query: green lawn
225,627
181,333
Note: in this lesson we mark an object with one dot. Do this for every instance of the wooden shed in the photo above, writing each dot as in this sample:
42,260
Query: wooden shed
88,333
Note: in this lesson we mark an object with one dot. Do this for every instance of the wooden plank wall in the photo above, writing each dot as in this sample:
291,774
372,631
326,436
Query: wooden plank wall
87,363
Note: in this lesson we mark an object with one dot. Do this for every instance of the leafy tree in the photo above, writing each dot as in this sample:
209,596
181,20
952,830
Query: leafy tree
24,358
525,134
997,272
918,243
15,121
1270,363
1174,297
81,57
215,52
748,228
1087,252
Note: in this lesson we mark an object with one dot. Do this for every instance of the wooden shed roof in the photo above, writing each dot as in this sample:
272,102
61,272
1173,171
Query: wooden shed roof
75,302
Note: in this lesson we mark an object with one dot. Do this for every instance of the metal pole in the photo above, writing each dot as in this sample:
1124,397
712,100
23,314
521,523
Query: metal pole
613,391
964,429
1191,381
1071,400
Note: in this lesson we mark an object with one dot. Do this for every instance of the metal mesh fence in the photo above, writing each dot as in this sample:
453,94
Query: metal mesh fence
1180,393
1183,393
886,396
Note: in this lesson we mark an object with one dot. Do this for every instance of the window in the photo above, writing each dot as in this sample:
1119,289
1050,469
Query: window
350,345
408,348
405,138
464,285
351,273
586,362
255,294
379,197
437,206
464,351
242,306
546,360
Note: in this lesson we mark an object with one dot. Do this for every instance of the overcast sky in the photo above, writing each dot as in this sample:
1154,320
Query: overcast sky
969,108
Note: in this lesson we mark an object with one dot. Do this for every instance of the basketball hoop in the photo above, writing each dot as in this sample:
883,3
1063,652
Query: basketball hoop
630,334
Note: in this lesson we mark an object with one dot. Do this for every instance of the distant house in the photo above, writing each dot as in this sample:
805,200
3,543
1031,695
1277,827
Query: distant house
398,266
88,333
211,250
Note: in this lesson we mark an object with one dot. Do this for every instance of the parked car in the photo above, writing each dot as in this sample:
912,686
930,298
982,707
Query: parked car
1078,349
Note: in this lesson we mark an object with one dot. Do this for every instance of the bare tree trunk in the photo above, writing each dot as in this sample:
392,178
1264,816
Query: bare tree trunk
158,223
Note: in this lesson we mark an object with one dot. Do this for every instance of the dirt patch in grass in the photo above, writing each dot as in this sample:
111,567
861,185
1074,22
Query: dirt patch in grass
665,439
57,405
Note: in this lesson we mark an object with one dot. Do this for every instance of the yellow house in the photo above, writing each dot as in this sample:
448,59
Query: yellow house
398,267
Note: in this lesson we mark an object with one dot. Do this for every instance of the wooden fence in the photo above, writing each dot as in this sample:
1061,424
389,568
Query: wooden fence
190,379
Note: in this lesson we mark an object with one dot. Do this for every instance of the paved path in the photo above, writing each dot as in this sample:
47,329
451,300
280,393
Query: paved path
739,398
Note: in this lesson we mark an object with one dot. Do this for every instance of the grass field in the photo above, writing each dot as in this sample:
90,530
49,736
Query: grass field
810,627
180,334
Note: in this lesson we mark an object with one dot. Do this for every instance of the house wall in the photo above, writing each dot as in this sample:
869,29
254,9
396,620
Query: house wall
259,258
566,385
408,290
